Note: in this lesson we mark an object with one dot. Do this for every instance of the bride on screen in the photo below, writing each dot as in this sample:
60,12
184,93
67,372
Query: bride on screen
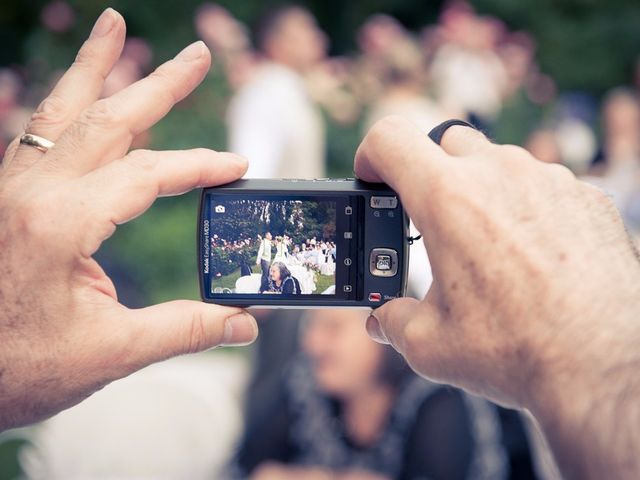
282,250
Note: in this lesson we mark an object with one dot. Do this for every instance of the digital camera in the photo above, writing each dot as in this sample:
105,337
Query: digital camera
302,243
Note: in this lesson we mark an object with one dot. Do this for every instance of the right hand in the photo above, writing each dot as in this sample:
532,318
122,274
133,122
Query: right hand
536,283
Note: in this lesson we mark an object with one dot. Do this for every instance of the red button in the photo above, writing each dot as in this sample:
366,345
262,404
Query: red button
375,297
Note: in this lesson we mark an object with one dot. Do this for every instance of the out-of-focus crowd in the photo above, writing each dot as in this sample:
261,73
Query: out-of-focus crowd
466,66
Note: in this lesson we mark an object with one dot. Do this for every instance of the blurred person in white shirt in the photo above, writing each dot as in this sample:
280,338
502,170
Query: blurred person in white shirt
467,74
272,120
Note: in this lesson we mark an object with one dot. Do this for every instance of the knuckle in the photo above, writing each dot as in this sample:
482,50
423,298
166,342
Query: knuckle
142,160
513,154
560,172
102,115
197,333
385,128
31,223
51,111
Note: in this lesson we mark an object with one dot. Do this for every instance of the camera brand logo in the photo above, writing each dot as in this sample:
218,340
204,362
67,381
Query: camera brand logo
206,244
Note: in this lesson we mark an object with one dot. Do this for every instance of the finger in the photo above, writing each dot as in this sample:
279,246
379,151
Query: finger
9,153
80,86
463,141
396,152
104,131
126,188
169,329
387,323
413,328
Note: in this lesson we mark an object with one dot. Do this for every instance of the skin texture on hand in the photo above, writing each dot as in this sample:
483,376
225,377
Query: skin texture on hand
63,334
536,295
278,471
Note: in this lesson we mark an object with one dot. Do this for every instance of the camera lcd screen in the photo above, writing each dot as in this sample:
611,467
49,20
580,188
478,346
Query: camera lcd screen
275,245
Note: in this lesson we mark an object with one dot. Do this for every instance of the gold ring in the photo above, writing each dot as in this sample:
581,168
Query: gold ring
40,143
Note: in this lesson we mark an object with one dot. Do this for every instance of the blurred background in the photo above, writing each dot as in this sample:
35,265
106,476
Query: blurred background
294,87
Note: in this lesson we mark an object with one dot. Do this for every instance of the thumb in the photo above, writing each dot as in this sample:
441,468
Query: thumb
388,323
409,325
182,326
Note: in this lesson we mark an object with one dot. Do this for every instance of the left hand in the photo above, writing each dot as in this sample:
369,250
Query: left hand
63,334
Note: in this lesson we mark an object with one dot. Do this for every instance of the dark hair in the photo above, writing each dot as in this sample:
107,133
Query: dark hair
270,22
284,271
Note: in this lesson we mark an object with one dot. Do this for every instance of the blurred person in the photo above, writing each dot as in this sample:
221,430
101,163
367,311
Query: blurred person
543,145
520,114
57,16
264,259
331,85
229,40
272,118
621,118
376,38
467,74
619,159
349,408
404,82
132,65
281,281
224,34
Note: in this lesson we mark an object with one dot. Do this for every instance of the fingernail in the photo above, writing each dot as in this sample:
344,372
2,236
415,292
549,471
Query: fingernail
375,330
239,329
192,52
104,24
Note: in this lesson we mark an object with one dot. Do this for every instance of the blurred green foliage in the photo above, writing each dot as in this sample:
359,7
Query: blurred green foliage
9,465
589,45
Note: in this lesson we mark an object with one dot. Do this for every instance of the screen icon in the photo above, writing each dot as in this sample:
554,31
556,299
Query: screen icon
347,288
219,209
347,261
348,235
348,210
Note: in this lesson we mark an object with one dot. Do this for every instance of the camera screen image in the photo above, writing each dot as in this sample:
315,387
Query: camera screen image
272,246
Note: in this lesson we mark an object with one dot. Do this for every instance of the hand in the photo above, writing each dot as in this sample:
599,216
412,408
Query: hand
63,332
535,300
279,471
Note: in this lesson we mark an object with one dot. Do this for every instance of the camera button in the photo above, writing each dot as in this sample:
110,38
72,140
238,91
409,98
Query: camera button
383,202
383,262
375,297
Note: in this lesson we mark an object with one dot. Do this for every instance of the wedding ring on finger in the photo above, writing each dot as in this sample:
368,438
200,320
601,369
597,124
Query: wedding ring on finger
40,143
